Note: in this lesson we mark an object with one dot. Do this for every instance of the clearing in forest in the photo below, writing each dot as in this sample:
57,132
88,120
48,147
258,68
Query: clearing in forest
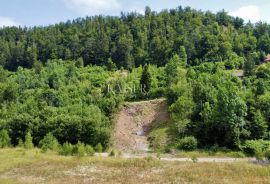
134,121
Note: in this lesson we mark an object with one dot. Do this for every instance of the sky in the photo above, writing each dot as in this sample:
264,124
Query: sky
46,12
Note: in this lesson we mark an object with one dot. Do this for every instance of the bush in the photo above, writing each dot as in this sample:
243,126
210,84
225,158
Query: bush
267,154
89,150
66,149
113,153
158,138
99,148
188,143
28,144
20,144
49,142
255,147
5,140
79,149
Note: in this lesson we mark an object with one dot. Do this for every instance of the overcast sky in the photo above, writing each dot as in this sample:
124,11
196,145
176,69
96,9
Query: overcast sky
45,12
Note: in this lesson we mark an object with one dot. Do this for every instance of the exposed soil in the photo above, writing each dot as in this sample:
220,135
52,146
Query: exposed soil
134,121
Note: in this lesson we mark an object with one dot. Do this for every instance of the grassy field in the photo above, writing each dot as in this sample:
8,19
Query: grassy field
21,166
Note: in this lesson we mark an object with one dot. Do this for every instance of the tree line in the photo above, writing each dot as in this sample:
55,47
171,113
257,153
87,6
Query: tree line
132,39
54,80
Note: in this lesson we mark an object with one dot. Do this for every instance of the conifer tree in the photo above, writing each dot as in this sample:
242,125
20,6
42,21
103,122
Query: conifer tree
28,141
145,81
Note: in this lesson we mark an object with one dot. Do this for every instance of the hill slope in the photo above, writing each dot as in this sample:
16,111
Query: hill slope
134,121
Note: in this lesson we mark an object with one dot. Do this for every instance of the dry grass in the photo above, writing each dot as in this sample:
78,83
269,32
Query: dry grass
20,166
206,153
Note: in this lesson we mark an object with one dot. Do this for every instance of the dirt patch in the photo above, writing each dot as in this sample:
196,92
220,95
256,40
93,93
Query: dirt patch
134,121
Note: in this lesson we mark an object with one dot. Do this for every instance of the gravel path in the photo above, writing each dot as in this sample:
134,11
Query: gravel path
173,159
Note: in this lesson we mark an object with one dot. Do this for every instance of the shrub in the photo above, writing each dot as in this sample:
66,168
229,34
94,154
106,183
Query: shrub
259,155
49,142
188,143
89,150
4,139
99,148
28,144
113,153
79,149
267,154
66,149
20,144
255,147
158,138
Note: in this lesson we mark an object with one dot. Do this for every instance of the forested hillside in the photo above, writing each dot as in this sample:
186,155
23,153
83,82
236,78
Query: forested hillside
67,81
133,39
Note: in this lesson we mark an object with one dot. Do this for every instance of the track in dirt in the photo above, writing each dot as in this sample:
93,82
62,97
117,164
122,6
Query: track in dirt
134,121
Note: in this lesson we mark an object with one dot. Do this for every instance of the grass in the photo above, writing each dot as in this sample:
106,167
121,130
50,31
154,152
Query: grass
23,167
207,153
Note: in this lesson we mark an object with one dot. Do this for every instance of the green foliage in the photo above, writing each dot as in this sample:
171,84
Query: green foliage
258,126
172,69
89,150
49,142
181,112
187,143
249,65
131,40
60,76
99,148
158,138
183,56
79,63
113,153
234,62
5,140
37,67
28,143
79,150
20,144
66,149
111,65
72,103
267,154
255,147
219,111
146,79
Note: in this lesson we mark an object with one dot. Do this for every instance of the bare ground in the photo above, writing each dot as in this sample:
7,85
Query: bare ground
134,121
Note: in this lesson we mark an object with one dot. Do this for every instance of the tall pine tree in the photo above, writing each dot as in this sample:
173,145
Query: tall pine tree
146,80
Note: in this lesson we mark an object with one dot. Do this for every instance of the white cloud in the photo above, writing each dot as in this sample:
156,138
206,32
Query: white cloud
137,9
92,6
7,22
247,13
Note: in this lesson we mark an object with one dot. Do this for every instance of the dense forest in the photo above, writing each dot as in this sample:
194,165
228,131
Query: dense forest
69,79
132,40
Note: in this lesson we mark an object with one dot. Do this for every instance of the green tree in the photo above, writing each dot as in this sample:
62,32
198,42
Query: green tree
181,112
49,142
5,140
79,63
99,148
183,56
172,69
249,65
258,127
37,66
28,143
111,65
146,80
